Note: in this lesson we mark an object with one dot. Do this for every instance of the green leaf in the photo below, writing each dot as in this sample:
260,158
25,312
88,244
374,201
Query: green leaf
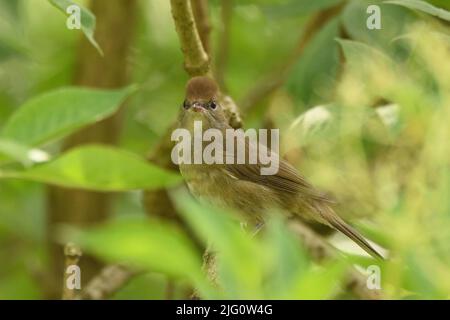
419,280
309,126
394,21
313,73
87,20
60,112
319,283
144,243
239,257
422,6
289,259
9,49
100,168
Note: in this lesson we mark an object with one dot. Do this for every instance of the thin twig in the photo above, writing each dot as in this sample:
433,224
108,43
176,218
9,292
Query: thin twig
72,254
110,279
278,76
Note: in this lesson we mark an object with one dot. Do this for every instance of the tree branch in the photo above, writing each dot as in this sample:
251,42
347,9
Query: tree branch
72,254
110,279
196,61
201,17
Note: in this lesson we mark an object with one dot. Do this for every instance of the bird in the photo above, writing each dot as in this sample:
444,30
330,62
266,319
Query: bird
241,186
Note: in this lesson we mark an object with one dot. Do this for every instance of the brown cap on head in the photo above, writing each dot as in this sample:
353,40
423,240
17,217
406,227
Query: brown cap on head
201,88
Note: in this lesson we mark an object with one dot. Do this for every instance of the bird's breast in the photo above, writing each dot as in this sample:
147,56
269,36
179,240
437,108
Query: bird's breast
215,185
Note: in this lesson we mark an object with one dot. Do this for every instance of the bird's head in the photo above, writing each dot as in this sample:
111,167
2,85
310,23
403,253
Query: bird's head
202,104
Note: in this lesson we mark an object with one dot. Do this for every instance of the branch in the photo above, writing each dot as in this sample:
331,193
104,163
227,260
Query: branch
72,254
196,61
201,17
278,76
110,279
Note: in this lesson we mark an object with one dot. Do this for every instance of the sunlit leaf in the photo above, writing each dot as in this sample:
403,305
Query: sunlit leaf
101,168
55,114
388,114
309,124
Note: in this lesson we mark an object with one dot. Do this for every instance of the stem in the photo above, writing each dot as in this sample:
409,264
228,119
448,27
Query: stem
201,17
196,61
72,254
110,279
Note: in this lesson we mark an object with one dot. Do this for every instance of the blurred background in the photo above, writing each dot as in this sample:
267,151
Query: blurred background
362,113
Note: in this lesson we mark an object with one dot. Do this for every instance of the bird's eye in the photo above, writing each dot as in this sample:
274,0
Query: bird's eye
213,105
186,104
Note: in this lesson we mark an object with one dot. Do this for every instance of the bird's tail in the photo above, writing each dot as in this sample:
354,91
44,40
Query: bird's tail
339,224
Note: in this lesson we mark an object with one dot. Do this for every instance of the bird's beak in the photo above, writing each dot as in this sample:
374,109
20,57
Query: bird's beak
197,107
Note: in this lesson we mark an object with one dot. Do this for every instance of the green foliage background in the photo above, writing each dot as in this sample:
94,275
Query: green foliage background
386,163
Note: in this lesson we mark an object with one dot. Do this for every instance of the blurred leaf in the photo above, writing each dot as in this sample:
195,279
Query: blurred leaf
88,20
21,153
101,168
308,125
11,6
9,49
355,52
289,260
319,283
55,114
239,256
389,114
143,243
440,3
296,8
419,281
317,67
422,6
393,22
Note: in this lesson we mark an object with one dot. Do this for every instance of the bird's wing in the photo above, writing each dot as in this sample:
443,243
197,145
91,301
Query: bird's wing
286,180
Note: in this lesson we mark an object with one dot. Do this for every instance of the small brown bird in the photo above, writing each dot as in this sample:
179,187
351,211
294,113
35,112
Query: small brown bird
241,186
